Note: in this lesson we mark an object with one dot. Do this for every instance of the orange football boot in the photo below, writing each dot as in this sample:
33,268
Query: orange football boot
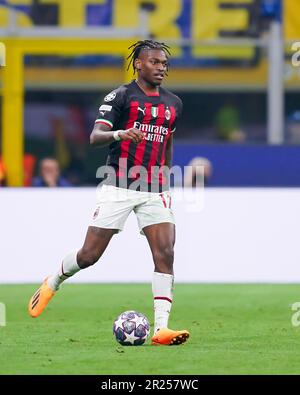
40,299
168,337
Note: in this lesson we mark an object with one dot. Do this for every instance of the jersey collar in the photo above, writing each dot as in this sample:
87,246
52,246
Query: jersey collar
147,94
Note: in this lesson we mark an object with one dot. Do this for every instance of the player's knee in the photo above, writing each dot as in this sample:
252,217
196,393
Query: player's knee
164,255
87,258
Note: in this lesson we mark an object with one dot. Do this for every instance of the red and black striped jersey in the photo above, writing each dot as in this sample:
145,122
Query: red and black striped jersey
155,115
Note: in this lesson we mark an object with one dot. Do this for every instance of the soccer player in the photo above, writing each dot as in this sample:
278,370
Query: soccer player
137,120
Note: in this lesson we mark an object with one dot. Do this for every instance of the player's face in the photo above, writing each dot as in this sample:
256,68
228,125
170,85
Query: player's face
152,66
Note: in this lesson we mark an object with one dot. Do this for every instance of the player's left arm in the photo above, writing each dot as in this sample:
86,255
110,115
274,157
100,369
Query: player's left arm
169,152
169,146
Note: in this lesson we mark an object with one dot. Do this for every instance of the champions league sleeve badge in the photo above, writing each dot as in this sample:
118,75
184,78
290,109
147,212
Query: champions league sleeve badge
110,96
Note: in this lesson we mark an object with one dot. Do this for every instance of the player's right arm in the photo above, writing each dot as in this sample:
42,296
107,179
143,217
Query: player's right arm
103,135
109,114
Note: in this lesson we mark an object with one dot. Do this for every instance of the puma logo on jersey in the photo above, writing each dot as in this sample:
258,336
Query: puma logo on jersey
142,109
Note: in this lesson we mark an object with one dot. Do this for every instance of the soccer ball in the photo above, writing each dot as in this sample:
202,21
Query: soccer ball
131,328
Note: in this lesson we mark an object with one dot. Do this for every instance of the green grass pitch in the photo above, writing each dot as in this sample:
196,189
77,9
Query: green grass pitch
235,329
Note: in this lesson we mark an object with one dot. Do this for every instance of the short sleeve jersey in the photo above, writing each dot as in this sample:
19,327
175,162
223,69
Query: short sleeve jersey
156,115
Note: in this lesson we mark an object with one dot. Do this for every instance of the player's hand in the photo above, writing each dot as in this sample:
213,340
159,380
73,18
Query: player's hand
132,134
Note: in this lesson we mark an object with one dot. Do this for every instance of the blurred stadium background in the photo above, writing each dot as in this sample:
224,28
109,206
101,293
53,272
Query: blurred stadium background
232,67
236,68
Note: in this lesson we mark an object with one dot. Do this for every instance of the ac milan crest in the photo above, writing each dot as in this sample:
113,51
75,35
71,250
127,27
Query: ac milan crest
167,114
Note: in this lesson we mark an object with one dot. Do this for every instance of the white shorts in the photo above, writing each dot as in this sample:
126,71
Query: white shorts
115,204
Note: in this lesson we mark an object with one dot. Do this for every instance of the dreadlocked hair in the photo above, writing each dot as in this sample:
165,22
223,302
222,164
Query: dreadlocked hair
137,47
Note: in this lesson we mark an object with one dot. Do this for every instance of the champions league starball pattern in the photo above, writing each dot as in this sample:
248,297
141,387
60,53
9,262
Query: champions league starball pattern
131,328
